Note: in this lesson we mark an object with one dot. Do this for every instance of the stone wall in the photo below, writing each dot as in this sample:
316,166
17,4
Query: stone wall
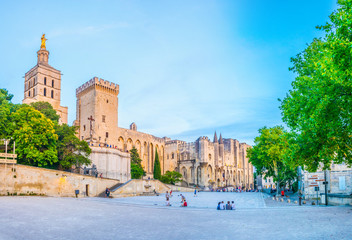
26,180
112,163
339,181
139,187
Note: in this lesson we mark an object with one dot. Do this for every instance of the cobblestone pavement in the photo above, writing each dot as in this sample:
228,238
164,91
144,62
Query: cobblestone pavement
100,218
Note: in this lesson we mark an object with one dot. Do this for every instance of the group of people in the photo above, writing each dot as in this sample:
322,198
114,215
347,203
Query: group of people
233,190
183,201
228,206
167,196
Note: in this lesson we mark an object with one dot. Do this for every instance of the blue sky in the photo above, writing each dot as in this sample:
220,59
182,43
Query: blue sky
185,68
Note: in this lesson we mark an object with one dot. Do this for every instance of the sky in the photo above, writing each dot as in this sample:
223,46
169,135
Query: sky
185,68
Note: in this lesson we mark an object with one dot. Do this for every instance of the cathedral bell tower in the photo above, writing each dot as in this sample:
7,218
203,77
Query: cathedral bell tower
43,83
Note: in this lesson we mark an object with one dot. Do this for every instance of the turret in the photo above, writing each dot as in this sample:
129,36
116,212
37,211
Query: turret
216,149
221,149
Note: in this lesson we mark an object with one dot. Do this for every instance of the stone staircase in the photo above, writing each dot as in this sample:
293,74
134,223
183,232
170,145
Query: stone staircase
113,188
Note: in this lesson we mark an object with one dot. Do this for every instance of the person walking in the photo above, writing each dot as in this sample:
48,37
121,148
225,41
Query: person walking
195,192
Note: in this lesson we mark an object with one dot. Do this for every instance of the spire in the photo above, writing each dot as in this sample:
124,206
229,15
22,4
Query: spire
220,140
215,138
43,54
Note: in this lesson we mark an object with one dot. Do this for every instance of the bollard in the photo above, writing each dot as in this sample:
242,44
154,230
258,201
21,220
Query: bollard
304,202
273,198
295,202
281,200
288,200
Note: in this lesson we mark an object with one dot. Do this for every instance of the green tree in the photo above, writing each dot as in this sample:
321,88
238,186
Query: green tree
35,137
136,164
71,151
6,109
318,109
157,169
270,155
171,177
46,109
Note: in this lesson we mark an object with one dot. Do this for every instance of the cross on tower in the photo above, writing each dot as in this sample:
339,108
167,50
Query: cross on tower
91,120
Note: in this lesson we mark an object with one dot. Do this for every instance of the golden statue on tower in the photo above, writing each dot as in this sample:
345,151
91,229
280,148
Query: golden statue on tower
42,46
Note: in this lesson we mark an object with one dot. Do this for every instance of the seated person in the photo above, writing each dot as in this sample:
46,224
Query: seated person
233,207
228,206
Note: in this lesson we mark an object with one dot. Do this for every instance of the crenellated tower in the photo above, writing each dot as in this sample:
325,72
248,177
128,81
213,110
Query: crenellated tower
97,109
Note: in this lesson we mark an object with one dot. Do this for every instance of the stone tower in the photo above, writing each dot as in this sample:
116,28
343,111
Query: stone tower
43,83
96,114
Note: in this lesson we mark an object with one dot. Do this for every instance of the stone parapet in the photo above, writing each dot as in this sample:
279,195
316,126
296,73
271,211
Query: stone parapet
98,82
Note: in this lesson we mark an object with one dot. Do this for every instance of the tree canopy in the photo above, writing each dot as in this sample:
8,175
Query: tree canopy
47,110
136,164
35,137
71,150
6,109
271,153
318,109
40,140
171,177
157,169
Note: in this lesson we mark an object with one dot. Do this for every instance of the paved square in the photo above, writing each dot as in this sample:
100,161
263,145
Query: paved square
139,218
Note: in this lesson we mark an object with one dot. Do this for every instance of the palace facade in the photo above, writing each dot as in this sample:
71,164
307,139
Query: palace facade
205,162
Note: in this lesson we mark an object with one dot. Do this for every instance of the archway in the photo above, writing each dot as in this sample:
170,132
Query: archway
129,144
121,144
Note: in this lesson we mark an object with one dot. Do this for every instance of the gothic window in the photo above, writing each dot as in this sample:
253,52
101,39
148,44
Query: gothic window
84,127
107,134
33,92
52,93
103,119
52,83
172,155
107,101
44,92
45,81
29,93
168,156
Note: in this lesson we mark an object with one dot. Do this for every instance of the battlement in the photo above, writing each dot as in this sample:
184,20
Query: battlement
175,142
98,82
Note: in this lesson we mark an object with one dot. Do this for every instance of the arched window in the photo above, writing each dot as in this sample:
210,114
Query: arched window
52,83
52,93
45,81
29,93
33,92
84,127
44,92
